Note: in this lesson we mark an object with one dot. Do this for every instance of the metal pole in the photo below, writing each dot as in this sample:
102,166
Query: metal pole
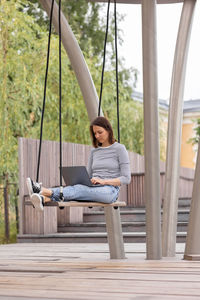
6,209
174,131
151,131
16,209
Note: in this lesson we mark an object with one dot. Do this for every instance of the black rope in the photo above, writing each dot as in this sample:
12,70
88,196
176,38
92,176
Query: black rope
60,99
45,86
116,65
104,58
116,71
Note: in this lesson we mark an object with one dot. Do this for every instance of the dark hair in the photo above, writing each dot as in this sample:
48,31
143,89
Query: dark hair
104,123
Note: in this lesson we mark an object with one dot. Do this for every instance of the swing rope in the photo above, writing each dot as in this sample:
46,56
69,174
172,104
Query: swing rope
104,57
45,87
116,71
116,65
60,100
60,95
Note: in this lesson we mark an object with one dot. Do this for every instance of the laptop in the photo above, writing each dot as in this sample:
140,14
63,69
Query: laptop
77,175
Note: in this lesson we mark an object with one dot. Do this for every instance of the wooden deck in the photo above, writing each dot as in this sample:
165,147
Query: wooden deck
84,271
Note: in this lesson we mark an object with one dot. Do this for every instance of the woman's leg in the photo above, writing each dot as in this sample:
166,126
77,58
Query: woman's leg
46,192
104,194
35,188
46,199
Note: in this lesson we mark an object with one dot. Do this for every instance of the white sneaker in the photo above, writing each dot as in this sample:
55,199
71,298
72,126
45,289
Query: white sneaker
33,187
37,201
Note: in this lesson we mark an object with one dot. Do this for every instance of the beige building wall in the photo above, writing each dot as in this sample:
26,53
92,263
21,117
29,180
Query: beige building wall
188,150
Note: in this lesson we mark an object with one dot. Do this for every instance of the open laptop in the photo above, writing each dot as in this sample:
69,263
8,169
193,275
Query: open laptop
77,175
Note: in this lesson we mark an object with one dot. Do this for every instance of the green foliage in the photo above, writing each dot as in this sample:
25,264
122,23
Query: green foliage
12,201
13,233
20,78
85,18
131,112
85,21
195,140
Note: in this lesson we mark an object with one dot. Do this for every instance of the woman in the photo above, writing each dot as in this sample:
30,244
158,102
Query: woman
108,165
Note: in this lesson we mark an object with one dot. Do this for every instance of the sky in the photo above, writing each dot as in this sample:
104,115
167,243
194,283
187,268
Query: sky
168,16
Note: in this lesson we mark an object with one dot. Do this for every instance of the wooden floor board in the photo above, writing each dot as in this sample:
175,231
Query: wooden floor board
84,271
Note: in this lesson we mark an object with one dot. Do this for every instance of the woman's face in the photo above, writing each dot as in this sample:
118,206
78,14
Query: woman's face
101,135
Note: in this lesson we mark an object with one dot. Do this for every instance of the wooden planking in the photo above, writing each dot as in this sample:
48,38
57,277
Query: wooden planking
82,271
89,204
136,191
34,223
50,220
195,257
39,222
136,162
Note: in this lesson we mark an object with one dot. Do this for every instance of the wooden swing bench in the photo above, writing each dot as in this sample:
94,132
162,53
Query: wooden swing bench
45,223
90,204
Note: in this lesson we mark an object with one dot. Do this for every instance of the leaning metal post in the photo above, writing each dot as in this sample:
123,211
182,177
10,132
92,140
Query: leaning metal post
192,246
174,131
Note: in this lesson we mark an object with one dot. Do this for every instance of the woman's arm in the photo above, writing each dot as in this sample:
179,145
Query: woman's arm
113,181
124,165
89,166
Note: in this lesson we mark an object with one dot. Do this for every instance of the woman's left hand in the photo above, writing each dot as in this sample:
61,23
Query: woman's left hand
96,180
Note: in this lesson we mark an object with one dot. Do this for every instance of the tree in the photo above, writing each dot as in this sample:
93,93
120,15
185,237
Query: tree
23,56
195,140
21,59
85,18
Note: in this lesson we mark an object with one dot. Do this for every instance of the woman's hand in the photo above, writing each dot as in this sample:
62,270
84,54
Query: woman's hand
114,181
96,180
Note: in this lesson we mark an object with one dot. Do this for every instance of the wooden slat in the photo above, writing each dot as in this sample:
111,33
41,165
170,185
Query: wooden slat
83,271
34,221
86,204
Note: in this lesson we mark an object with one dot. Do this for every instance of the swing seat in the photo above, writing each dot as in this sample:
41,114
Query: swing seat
77,203
33,222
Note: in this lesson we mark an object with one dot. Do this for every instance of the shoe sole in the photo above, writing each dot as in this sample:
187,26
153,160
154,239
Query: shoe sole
36,201
29,186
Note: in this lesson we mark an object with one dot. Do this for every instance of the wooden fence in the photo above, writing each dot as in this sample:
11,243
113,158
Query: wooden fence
76,154
135,190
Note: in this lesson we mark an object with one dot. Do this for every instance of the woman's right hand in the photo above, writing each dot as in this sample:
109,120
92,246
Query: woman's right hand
96,180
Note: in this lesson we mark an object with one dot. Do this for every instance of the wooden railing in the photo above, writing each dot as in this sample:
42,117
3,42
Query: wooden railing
135,190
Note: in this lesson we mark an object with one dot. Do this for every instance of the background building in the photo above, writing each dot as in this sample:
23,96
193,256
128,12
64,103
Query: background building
191,114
